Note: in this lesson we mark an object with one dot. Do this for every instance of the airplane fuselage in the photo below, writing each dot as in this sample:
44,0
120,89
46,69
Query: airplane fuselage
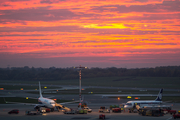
132,104
46,102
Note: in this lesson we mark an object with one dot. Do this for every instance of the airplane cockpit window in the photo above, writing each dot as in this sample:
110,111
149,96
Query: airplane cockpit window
52,102
128,104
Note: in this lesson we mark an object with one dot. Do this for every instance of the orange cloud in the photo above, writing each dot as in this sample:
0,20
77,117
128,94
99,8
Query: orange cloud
50,28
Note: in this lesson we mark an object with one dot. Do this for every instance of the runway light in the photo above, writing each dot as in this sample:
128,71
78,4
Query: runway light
118,98
82,89
26,97
45,87
21,88
1,88
128,96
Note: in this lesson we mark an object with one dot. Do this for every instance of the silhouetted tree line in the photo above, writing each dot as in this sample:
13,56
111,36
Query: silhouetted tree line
52,73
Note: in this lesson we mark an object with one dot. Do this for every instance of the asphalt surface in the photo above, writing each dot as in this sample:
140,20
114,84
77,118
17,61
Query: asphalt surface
94,115
94,102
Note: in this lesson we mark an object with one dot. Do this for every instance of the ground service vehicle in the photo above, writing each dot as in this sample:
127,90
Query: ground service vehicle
88,109
104,110
14,111
169,111
176,116
142,111
82,111
32,113
114,106
44,110
116,109
102,116
172,111
70,112
154,113
150,112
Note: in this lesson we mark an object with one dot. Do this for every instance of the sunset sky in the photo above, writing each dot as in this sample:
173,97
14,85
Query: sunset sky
92,33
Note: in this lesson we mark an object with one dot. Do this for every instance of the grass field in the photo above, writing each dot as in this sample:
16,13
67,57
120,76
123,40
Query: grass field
19,87
142,82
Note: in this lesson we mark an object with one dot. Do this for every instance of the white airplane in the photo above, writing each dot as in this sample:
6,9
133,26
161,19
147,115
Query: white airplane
45,102
49,103
131,105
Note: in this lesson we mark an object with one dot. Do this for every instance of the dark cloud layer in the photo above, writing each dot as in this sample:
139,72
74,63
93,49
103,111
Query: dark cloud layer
125,62
45,14
170,6
38,14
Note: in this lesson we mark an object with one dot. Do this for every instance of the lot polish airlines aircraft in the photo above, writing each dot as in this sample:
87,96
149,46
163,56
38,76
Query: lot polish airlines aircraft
132,104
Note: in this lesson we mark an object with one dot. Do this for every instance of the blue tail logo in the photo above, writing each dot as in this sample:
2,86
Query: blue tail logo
159,97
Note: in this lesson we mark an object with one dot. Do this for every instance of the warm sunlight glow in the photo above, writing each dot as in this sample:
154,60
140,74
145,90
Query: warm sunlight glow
120,33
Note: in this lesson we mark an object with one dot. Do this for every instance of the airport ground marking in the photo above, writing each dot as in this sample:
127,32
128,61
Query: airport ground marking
169,118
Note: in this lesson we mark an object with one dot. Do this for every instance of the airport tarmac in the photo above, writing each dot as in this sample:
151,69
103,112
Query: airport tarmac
94,102
4,108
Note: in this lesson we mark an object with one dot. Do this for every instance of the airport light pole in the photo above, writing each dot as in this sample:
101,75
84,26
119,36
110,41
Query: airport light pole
80,67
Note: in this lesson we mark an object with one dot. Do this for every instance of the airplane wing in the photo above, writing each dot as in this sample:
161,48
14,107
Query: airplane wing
22,103
7,102
77,101
38,97
69,102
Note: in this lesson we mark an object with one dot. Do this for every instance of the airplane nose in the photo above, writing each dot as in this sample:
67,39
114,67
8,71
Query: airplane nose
125,106
53,105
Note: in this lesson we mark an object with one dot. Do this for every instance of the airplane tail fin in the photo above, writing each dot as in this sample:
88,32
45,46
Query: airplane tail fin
159,97
40,93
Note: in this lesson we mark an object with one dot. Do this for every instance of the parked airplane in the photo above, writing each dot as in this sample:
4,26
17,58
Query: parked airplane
131,105
46,102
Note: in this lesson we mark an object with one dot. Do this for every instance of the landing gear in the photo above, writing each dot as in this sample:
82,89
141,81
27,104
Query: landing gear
131,111
52,109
